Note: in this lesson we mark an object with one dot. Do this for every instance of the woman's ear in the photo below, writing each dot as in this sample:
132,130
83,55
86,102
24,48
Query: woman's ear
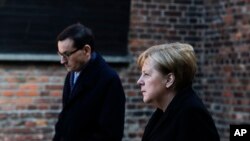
170,80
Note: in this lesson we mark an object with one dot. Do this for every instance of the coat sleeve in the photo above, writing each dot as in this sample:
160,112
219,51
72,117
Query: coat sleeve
111,121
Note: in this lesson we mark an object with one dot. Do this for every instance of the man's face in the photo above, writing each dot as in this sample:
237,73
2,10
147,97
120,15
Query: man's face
72,58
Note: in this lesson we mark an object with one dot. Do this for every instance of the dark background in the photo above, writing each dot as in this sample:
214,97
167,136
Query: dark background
31,26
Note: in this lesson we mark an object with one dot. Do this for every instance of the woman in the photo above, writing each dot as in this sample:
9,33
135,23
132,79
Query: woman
166,82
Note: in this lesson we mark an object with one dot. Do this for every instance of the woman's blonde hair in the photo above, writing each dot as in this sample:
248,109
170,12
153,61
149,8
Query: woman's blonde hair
176,58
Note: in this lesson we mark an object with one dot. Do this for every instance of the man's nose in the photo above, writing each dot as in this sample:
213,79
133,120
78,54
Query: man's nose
63,60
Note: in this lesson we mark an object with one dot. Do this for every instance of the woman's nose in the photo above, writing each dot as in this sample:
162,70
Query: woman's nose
139,82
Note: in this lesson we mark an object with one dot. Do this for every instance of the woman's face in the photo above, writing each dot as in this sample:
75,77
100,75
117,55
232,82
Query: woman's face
152,83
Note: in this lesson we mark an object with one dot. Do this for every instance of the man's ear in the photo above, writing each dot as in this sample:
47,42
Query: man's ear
170,79
87,49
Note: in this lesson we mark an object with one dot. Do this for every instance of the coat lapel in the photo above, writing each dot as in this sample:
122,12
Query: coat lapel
159,120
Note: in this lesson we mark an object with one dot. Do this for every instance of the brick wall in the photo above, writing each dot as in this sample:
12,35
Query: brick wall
29,100
226,65
219,31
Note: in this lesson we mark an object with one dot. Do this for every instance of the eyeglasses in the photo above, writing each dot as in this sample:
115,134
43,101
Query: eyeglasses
67,54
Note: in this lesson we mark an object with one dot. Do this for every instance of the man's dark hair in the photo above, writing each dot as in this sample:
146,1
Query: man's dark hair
80,34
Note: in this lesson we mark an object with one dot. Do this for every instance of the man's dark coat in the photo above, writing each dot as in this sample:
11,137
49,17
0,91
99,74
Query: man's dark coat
94,109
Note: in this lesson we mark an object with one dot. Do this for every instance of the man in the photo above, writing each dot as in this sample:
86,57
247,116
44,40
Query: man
93,97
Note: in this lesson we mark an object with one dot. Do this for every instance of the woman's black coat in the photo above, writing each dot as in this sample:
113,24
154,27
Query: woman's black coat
94,109
185,119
